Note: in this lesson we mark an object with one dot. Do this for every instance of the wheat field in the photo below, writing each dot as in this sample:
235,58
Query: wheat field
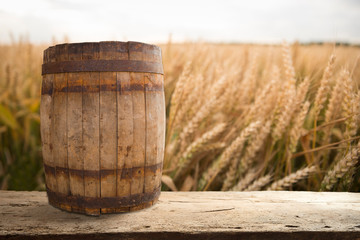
240,117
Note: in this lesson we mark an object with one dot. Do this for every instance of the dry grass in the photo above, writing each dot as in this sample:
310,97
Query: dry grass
240,117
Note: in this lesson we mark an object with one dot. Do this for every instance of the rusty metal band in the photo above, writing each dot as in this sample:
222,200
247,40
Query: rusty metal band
105,202
102,66
125,173
153,87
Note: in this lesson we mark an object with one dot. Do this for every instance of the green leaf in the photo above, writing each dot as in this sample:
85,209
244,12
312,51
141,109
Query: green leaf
7,118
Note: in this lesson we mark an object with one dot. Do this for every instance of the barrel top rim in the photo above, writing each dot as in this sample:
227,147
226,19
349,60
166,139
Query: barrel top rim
114,42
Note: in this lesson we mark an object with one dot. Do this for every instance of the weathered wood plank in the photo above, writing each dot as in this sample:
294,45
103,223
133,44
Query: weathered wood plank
124,127
139,122
191,215
125,133
154,131
59,124
108,138
74,126
151,132
108,127
91,124
91,138
138,149
46,115
161,116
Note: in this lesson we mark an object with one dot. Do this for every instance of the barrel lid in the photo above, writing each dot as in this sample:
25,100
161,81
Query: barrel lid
108,56
132,45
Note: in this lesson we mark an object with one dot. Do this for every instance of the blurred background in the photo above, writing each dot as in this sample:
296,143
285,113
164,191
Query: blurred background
258,21
247,43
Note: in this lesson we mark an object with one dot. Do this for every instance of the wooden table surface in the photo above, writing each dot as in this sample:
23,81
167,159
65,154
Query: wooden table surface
191,215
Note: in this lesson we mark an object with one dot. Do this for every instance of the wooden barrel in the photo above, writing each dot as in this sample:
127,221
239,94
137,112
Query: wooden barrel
103,126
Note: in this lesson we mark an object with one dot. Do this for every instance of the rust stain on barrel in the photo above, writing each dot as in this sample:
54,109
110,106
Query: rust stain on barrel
48,90
106,202
126,173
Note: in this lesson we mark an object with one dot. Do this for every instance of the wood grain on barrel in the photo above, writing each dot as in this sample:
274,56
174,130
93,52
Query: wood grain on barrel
151,131
108,127
46,111
124,129
152,123
74,127
91,127
155,121
59,124
139,123
161,118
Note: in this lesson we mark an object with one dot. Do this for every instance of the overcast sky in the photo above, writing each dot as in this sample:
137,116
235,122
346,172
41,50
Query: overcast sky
153,21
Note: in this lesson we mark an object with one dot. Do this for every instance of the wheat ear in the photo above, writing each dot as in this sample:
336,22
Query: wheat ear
248,84
231,176
185,161
262,103
293,178
322,92
357,108
231,153
187,108
259,183
301,92
233,171
297,128
283,115
178,92
213,147
194,123
288,65
341,168
255,145
348,105
336,97
283,119
245,181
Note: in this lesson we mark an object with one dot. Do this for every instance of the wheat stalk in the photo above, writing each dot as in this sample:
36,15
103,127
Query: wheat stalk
323,90
336,97
348,105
